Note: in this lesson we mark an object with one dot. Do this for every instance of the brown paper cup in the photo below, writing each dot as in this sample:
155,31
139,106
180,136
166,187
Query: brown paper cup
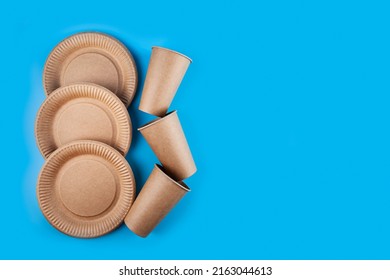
157,197
165,72
166,138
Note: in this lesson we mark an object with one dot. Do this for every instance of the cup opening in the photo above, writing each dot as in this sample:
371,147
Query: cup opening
158,119
169,50
180,184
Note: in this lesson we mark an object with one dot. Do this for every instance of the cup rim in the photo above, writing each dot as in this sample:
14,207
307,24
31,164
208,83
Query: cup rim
180,184
157,120
183,55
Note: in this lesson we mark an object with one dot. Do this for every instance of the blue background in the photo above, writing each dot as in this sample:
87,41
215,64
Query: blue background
285,107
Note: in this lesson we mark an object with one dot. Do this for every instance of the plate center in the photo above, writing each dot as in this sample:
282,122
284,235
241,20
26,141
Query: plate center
94,68
87,188
82,120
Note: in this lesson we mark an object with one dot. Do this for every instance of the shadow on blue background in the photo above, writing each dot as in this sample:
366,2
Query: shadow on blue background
285,107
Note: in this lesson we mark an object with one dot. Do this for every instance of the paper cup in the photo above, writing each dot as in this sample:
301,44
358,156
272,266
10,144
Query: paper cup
157,197
165,72
166,138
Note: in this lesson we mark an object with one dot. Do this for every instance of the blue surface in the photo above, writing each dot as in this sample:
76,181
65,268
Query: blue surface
285,107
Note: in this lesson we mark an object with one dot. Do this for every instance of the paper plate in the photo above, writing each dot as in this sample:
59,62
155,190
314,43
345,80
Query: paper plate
82,112
85,189
92,57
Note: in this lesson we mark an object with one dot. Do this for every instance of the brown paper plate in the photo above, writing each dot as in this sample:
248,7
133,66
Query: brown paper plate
92,57
85,189
82,112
